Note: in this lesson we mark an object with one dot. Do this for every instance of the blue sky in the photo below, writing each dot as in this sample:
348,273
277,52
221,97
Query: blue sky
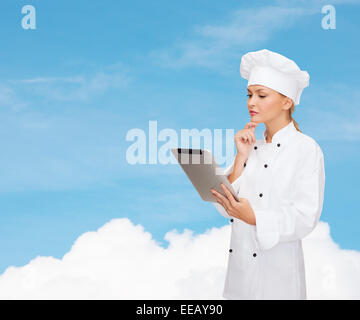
91,71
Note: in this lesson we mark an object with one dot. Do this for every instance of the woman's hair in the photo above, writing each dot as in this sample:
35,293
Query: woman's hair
291,110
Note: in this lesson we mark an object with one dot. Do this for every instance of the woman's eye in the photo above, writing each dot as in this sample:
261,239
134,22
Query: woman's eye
249,95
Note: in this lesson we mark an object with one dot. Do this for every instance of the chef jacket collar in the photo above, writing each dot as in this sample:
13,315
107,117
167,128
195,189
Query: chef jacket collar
282,135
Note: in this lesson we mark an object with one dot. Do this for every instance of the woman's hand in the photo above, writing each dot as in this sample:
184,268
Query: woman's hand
239,209
245,139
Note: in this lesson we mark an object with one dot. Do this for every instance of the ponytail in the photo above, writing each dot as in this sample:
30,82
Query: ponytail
291,110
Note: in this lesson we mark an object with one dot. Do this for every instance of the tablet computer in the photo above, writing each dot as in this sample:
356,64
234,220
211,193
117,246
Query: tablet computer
202,170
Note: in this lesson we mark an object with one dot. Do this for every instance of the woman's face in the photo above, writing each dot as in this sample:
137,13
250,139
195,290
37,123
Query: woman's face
268,103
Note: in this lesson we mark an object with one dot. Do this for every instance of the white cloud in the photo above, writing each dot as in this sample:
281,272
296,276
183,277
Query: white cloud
75,79
332,272
122,261
80,87
212,46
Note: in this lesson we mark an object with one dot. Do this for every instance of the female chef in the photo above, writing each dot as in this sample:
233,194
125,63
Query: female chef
279,181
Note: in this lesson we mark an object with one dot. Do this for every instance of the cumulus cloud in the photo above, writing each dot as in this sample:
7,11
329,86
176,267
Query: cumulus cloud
122,261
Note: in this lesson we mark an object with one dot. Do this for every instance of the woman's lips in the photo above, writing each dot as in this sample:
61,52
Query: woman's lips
253,113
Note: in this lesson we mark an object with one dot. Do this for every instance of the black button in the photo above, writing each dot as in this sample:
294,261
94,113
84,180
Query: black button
278,144
255,147
254,255
260,194
232,220
245,164
230,250
265,165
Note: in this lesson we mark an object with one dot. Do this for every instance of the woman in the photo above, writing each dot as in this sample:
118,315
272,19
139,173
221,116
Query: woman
279,181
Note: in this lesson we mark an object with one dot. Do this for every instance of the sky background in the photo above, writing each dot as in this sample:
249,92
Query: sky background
91,71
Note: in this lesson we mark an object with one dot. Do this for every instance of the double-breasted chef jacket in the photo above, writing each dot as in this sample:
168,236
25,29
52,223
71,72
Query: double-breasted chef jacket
284,183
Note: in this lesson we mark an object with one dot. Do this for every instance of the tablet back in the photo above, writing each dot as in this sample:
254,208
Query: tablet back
203,171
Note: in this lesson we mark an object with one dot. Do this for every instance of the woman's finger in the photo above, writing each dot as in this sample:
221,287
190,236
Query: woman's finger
252,133
248,133
253,138
229,195
244,138
251,124
224,201
249,137
215,195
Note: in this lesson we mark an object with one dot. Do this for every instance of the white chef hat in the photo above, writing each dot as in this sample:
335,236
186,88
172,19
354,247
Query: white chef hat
274,71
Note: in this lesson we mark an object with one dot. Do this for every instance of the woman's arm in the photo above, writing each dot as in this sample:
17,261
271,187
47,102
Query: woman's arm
300,213
238,168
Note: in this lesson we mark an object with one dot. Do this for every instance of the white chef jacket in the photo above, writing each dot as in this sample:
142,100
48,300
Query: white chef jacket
284,183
